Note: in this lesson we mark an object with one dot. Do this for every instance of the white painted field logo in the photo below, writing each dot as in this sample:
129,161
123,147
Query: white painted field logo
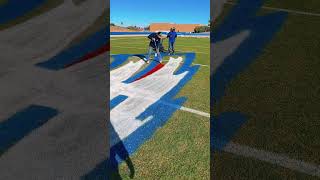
142,99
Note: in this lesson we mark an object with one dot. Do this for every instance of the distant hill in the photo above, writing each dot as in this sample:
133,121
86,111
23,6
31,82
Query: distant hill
123,29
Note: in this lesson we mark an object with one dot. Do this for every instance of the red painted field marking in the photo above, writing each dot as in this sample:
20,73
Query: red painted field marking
91,55
159,66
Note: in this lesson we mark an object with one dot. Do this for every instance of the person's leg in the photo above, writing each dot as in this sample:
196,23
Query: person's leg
149,53
172,47
159,55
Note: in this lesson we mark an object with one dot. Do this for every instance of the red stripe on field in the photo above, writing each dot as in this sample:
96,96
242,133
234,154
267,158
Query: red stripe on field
91,55
159,66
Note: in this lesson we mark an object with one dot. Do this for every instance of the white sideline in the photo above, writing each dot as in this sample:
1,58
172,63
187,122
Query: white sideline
285,10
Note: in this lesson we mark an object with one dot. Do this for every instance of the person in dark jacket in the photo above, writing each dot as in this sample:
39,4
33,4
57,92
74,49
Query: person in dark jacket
155,40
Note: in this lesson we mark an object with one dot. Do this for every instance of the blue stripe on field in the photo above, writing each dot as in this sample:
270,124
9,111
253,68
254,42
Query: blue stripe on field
13,9
74,53
117,100
23,123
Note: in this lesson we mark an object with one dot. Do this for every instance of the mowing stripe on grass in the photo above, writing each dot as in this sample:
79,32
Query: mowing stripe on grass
285,10
273,158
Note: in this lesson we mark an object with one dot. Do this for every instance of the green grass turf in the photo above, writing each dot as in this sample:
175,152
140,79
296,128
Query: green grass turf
2,2
279,92
311,6
179,149
229,167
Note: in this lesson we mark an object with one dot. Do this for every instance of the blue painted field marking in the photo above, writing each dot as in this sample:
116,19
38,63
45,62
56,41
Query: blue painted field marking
74,53
225,127
262,30
117,100
119,59
23,123
13,9
152,65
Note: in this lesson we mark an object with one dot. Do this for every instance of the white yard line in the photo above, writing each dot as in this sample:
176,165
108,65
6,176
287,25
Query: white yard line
285,10
273,158
194,111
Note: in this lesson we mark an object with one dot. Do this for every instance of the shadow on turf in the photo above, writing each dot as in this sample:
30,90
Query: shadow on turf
109,168
262,29
23,123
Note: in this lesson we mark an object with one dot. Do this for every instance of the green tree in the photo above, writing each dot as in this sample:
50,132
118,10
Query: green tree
200,29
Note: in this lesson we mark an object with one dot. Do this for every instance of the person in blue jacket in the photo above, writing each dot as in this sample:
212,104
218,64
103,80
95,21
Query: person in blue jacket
172,35
155,40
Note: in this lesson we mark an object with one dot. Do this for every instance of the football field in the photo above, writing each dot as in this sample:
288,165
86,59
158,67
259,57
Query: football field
179,148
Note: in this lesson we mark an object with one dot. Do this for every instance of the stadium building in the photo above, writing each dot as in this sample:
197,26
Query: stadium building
165,27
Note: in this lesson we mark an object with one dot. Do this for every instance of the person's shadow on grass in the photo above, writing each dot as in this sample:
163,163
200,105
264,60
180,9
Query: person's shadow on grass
118,152
109,168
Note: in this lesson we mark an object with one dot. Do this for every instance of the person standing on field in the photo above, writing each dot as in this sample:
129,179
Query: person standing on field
172,35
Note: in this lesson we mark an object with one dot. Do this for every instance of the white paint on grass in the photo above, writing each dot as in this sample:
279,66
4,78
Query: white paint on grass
220,52
141,95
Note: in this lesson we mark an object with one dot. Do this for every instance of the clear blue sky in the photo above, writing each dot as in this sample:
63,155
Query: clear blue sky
144,12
